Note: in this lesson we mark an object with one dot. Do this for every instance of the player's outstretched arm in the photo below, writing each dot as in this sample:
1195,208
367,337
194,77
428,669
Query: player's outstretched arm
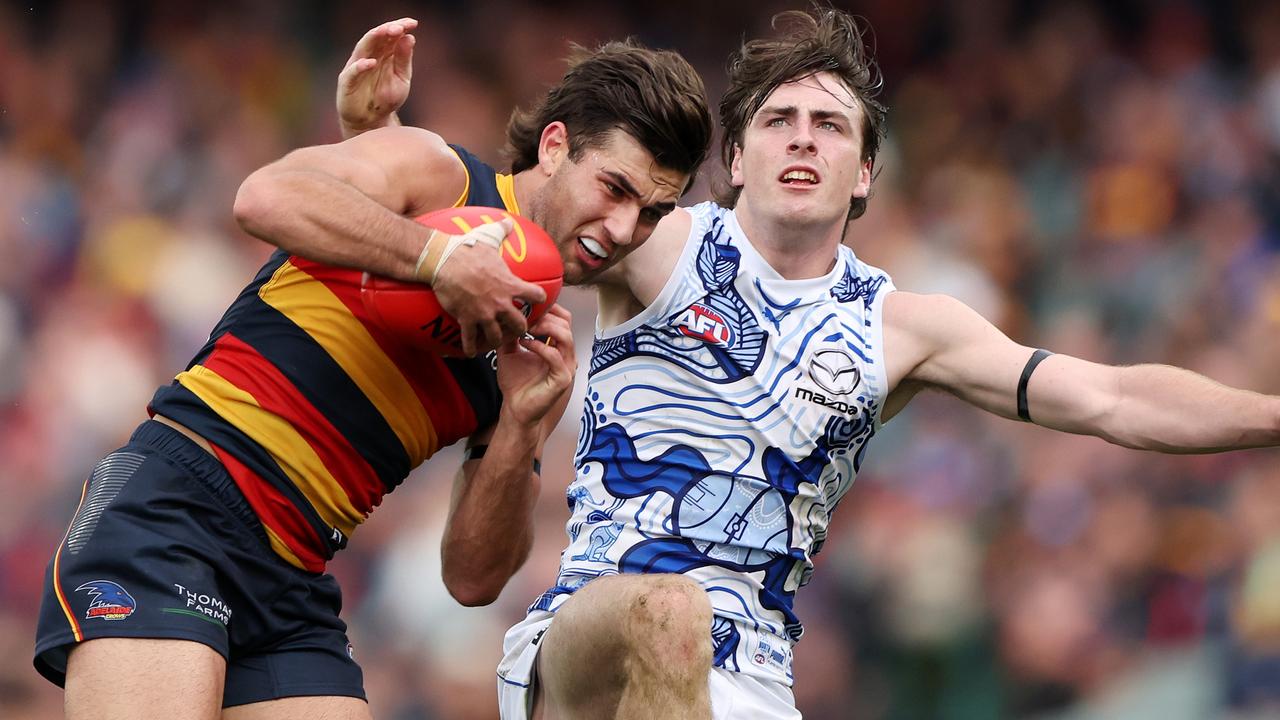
349,205
490,527
375,81
1160,407
937,341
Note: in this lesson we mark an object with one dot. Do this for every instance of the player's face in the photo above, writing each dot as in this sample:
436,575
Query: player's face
603,205
800,159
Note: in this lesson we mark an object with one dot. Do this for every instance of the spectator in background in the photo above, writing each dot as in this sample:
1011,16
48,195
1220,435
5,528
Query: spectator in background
997,132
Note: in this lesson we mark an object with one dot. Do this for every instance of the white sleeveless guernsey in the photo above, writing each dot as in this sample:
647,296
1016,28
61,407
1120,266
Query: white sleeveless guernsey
722,425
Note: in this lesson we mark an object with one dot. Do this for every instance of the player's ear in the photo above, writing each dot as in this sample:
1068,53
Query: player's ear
553,147
735,167
863,188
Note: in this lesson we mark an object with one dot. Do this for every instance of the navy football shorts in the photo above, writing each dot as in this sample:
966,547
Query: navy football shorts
164,545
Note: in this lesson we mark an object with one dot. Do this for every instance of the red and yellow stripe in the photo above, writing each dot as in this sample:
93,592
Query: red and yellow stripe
283,522
72,620
313,307
251,394
427,375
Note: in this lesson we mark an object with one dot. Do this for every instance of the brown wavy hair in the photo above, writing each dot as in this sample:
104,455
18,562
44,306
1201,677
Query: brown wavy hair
822,39
654,96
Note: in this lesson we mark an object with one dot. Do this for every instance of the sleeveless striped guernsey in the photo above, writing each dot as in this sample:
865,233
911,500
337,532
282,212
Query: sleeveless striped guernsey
314,410
721,427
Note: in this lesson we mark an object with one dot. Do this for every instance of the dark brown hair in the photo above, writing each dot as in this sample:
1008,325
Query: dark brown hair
652,95
819,40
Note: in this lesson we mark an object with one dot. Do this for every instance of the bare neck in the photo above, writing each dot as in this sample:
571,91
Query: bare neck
796,251
526,185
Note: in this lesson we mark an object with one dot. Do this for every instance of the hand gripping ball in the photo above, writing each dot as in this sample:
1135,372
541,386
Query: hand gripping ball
410,310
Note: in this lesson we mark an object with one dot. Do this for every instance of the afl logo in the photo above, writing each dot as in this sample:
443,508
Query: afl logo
702,323
834,371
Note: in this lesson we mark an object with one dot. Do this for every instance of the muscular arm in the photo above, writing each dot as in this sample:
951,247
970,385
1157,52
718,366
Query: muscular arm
937,341
1151,407
490,526
629,287
345,204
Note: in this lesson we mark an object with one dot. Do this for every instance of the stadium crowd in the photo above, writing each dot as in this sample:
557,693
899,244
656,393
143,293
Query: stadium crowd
1101,179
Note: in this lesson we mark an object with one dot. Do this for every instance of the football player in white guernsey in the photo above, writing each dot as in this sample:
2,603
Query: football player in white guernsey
744,357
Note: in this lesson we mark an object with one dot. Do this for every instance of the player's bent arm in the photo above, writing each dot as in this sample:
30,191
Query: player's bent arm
490,526
489,532
345,204
630,286
937,341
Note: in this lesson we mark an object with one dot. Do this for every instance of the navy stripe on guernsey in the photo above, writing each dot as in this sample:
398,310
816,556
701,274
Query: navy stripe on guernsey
317,412
482,189
180,402
280,341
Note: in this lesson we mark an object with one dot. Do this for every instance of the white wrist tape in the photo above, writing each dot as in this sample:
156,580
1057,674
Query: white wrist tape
422,256
490,234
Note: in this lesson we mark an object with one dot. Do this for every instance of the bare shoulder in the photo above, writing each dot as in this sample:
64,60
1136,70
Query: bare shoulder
648,267
941,341
670,233
917,327
677,221
428,172
902,347
408,145
926,315
629,287
407,134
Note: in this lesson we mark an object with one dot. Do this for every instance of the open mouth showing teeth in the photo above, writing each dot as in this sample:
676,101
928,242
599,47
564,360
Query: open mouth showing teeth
800,176
593,248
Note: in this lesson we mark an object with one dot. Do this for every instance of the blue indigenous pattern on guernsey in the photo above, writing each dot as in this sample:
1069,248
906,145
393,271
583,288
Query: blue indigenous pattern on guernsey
717,337
720,429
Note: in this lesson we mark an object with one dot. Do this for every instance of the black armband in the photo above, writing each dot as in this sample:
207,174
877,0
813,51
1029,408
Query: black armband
475,452
1032,362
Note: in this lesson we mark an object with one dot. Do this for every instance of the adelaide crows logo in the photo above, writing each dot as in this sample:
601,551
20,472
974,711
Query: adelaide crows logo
109,600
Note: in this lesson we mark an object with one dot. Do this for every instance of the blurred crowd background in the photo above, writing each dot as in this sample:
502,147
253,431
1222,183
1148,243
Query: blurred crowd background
1098,178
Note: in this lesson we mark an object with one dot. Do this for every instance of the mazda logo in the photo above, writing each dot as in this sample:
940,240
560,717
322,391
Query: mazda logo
834,371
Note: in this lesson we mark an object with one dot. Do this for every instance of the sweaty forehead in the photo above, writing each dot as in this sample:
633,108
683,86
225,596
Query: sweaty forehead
621,154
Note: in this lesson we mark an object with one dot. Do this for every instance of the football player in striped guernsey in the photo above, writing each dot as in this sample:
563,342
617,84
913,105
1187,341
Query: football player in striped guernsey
191,581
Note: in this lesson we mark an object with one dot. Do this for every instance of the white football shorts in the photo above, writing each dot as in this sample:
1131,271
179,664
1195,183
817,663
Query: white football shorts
734,696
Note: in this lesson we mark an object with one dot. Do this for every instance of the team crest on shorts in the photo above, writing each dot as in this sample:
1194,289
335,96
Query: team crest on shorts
109,600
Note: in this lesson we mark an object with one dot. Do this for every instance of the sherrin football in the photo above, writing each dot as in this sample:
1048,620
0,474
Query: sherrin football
410,310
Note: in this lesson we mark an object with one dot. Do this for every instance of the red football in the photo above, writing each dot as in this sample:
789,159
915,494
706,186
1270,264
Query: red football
410,310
